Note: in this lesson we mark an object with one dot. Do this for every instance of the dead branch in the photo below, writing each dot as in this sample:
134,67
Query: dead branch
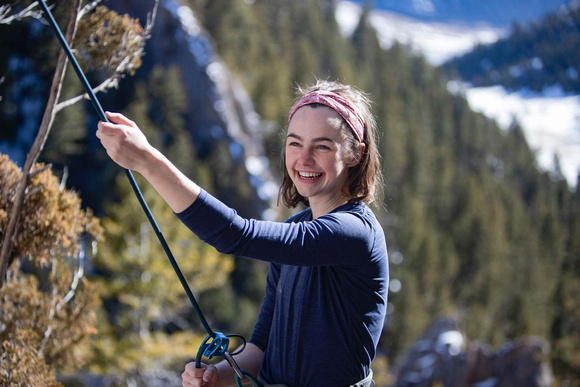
88,8
40,170
79,273
30,11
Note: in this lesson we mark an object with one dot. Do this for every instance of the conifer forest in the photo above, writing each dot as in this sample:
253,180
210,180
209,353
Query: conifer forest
477,233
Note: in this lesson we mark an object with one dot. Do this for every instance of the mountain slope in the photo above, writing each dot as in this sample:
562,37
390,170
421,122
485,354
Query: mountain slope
541,54
437,41
498,13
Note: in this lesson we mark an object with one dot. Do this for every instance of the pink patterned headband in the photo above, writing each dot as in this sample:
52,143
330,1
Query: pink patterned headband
340,104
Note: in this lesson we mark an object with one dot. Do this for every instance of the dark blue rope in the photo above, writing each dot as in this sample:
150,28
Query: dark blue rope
103,117
219,345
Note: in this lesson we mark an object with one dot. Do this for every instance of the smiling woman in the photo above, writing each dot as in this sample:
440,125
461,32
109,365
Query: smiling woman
327,284
347,111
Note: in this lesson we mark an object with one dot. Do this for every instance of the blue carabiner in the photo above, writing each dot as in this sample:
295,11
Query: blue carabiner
217,347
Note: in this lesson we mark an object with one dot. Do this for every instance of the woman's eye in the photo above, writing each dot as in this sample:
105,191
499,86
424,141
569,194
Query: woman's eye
293,143
324,147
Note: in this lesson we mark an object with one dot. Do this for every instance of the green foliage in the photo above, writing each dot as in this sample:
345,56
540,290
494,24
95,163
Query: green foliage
565,327
66,142
142,295
146,321
46,306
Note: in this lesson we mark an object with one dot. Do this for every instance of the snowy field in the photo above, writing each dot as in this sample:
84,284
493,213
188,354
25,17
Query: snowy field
551,120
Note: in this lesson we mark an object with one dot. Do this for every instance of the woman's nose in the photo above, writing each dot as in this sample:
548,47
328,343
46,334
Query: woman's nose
306,156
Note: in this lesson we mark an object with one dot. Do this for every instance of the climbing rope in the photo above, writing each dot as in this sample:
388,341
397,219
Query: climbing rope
216,343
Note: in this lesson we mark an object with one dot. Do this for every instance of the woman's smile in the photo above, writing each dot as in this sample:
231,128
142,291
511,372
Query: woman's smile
309,175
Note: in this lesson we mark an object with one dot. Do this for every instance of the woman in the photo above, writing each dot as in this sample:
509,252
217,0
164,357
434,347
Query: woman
326,293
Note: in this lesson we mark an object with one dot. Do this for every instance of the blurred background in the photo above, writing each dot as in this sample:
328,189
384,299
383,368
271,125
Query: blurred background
479,114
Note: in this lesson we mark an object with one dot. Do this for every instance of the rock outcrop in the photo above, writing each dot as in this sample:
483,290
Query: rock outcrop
443,357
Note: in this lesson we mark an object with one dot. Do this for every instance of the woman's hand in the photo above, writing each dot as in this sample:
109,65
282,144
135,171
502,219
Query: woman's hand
206,376
124,142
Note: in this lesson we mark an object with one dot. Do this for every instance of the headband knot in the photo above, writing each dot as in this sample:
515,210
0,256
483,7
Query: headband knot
339,104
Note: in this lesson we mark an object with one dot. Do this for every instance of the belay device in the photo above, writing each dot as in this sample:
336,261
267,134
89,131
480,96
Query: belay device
216,343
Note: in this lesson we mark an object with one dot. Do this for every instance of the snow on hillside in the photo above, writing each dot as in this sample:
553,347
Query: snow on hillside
436,41
551,120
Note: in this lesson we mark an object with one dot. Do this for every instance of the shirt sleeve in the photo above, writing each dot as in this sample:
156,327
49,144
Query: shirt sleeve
261,333
333,239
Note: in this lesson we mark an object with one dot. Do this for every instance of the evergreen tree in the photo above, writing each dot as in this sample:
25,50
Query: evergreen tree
145,320
66,144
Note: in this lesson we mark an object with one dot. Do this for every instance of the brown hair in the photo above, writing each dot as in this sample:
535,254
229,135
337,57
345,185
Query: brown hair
364,180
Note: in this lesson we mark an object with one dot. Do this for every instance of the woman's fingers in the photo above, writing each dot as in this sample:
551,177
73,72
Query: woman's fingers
109,129
206,375
119,125
118,118
210,373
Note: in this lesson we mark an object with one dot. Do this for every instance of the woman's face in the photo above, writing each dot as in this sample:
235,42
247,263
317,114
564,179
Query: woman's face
317,158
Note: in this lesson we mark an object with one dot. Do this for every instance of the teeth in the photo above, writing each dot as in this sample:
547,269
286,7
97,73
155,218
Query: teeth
309,175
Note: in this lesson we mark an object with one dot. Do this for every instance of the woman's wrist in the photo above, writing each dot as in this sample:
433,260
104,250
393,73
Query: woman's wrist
175,188
153,163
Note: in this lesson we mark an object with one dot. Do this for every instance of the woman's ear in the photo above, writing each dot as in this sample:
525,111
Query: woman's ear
358,155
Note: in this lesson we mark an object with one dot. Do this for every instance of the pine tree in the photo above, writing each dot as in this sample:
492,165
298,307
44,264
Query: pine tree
144,322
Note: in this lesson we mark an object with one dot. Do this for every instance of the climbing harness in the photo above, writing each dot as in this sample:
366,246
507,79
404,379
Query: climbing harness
216,343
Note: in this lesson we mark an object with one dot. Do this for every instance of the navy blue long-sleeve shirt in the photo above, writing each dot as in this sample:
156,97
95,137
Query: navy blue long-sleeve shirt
326,293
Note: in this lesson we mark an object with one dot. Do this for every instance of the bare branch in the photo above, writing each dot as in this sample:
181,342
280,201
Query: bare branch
151,16
64,178
88,8
79,273
34,190
39,170
31,192
109,83
29,11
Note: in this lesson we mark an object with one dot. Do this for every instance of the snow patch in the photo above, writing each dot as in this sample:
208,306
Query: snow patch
551,122
450,342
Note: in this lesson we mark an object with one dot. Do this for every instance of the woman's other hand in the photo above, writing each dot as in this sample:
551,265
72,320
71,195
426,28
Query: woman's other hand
206,376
